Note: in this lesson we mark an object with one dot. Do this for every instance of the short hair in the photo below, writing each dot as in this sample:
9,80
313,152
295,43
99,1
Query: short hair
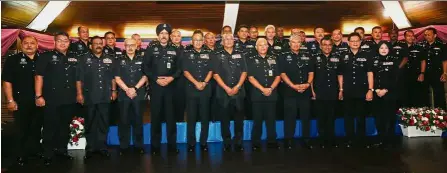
405,33
129,39
175,30
260,39
135,35
361,28
315,29
29,36
252,26
79,28
60,33
432,29
327,38
227,34
376,27
109,32
96,37
302,32
354,34
296,37
226,26
209,33
198,31
269,26
242,26
392,31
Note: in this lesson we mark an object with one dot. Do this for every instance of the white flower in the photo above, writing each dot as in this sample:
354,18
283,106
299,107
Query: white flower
81,127
424,119
440,117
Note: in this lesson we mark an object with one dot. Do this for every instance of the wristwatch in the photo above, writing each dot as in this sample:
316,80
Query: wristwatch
37,97
372,89
10,101
135,88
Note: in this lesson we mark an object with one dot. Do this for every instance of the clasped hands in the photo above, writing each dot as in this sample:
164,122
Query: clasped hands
300,87
164,80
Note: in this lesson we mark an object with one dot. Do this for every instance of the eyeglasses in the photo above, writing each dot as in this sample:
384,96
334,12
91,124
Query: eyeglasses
62,41
130,45
197,40
355,41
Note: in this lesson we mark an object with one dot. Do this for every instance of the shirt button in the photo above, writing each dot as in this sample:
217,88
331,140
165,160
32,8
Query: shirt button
353,83
100,87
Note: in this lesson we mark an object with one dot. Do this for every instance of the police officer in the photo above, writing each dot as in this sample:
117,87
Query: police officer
180,83
263,74
393,34
225,30
339,46
230,71
386,70
415,93
371,45
314,46
357,89
275,47
436,72
162,66
253,33
297,72
243,43
56,79
294,31
210,41
198,72
130,78
361,31
82,46
95,89
303,47
328,81
176,39
280,35
140,50
18,82
110,47
398,50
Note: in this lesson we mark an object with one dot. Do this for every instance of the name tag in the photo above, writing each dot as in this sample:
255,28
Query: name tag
156,53
204,56
270,72
397,47
249,46
119,53
168,65
414,51
271,61
138,62
236,56
334,60
72,60
436,48
365,46
277,48
343,48
304,58
361,59
303,48
388,63
107,61
171,53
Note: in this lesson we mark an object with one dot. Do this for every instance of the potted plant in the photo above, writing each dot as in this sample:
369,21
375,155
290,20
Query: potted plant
423,121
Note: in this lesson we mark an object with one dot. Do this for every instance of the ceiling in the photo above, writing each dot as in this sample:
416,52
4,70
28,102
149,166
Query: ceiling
127,18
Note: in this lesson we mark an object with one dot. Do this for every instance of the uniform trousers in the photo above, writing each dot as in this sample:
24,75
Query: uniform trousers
198,107
162,102
97,126
325,110
28,124
131,114
232,108
293,106
385,113
56,127
355,110
264,111
433,80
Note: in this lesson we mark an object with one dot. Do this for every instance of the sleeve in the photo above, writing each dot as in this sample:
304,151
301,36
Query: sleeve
444,52
186,66
116,68
8,72
250,67
277,69
369,63
422,55
178,58
244,64
341,65
281,64
312,65
147,65
215,64
80,69
42,63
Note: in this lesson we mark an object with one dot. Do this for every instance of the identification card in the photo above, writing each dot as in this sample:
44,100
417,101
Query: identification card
270,72
168,65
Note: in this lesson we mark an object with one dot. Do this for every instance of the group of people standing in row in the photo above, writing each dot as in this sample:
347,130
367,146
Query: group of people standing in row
251,76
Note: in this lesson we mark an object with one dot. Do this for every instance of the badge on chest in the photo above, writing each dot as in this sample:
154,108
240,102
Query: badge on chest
171,52
72,60
204,56
23,61
270,73
107,61
271,61
236,56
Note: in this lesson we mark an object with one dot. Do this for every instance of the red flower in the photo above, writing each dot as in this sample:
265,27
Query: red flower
427,128
411,122
75,139
81,120
427,115
445,118
75,126
436,121
425,123
419,116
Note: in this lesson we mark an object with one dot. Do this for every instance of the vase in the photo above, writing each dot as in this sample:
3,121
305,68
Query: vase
411,131
81,145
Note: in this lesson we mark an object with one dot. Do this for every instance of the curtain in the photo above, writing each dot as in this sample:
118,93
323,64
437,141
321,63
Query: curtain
9,36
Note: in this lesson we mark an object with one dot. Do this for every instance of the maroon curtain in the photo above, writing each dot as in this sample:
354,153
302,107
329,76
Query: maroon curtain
9,36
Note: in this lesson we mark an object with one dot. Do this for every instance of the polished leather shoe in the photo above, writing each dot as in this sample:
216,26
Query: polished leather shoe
173,150
322,146
239,147
124,151
47,161
191,148
104,153
273,145
204,147
227,147
140,150
255,147
155,150
21,161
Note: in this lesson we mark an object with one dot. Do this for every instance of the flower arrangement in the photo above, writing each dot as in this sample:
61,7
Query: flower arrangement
425,119
76,130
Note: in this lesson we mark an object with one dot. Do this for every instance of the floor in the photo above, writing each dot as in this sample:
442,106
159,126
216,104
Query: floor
418,155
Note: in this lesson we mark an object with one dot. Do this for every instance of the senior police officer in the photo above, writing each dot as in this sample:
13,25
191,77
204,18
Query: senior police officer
197,71
361,31
243,43
162,67
96,88
436,72
140,50
210,41
82,46
314,46
357,88
180,83
263,74
253,33
339,45
18,86
275,47
297,72
56,79
230,72
130,79
110,47
327,82
371,45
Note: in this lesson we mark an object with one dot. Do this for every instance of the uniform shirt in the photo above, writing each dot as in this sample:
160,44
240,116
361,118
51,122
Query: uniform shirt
247,47
275,48
297,67
80,48
436,53
161,61
385,70
313,47
327,69
230,68
96,75
19,70
198,65
140,51
399,50
341,48
112,51
130,71
369,46
59,76
264,70
416,54
355,77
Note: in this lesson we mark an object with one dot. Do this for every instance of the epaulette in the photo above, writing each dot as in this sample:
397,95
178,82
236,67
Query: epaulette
219,51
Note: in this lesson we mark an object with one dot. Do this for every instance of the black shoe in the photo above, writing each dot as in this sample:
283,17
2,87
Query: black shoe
191,148
288,145
273,145
155,150
139,150
124,151
348,144
104,153
239,147
204,147
335,145
322,146
47,161
173,150
255,147
21,161
65,156
227,147
307,145
88,155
